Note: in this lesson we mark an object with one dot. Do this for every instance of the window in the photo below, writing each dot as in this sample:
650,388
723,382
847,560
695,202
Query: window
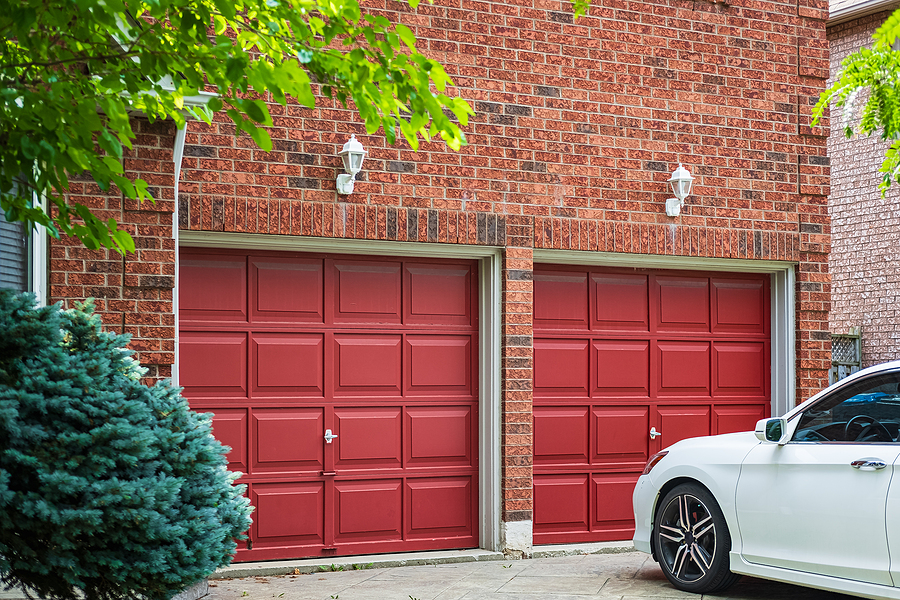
23,258
865,411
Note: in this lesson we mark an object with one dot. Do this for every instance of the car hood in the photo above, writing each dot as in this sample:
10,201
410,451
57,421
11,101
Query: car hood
742,439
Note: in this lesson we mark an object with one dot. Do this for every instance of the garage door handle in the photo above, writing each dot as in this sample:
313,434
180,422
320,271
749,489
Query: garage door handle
868,464
329,436
654,433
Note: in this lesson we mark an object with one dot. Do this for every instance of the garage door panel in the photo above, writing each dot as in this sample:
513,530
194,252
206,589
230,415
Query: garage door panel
439,364
212,288
560,300
439,507
367,365
287,289
288,364
683,368
288,513
613,509
367,292
686,353
740,306
561,503
381,351
731,419
683,304
621,302
438,294
622,436
561,367
213,363
561,435
368,510
368,438
741,368
288,440
440,436
677,423
622,368
230,427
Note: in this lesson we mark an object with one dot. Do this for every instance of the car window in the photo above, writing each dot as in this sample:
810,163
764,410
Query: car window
867,411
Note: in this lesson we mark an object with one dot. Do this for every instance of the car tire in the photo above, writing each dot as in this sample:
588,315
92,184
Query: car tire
693,557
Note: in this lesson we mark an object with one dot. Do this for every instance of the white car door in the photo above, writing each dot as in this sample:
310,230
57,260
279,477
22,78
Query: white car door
817,504
893,525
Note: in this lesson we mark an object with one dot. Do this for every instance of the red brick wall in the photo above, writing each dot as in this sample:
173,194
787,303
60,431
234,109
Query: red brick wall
133,293
578,127
865,226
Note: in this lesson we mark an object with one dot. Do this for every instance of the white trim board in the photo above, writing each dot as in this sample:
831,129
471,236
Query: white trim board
658,261
489,298
783,313
294,243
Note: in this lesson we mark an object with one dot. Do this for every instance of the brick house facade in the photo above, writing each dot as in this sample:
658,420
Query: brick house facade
865,226
578,127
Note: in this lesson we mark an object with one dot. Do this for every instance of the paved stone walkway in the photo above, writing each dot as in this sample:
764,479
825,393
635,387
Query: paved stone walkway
626,576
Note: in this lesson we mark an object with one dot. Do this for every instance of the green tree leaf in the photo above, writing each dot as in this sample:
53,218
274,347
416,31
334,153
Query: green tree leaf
867,94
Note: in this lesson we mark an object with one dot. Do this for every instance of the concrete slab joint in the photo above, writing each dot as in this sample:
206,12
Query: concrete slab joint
515,538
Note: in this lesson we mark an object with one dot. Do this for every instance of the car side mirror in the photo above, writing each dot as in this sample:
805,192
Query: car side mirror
771,430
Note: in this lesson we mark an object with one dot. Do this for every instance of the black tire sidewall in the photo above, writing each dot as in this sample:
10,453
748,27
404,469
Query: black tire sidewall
719,572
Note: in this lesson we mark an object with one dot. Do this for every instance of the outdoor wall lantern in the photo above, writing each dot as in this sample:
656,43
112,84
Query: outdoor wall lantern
680,181
352,155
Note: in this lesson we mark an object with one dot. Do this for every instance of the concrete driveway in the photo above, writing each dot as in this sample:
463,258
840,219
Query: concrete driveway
628,575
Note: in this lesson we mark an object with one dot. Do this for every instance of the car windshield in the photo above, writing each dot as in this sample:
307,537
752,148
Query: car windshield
865,411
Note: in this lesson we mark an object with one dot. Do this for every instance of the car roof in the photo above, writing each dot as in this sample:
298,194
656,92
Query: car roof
887,367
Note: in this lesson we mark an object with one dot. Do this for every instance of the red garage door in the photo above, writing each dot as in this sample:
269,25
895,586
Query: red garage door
286,347
620,351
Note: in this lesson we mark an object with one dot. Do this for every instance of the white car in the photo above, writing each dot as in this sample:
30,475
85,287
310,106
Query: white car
806,499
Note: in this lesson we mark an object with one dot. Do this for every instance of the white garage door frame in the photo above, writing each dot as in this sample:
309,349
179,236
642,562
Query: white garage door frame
782,279
489,297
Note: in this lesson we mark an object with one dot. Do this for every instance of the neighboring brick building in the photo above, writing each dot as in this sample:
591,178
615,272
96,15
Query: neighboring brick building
865,225
493,333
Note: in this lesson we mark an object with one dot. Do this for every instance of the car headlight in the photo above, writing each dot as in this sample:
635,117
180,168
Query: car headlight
653,461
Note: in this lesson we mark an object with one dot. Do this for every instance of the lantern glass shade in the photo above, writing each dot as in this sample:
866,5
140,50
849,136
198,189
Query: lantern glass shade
352,155
681,182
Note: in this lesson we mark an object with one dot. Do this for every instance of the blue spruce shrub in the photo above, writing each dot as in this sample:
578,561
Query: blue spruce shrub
108,488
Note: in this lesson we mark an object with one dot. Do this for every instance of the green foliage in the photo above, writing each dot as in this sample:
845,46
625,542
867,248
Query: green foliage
74,70
871,77
108,488
581,7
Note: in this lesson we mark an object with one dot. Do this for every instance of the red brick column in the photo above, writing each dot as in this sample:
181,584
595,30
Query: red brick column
517,367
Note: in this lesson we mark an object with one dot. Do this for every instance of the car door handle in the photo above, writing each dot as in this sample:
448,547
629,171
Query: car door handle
868,464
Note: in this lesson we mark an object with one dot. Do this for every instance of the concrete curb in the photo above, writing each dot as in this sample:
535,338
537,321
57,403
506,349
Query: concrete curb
580,549
350,563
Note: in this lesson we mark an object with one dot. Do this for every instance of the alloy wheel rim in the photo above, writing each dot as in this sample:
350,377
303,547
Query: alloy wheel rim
687,538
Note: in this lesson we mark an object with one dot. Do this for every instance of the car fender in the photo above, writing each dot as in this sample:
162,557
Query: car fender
714,462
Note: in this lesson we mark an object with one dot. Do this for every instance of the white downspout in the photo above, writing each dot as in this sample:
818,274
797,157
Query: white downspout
178,154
